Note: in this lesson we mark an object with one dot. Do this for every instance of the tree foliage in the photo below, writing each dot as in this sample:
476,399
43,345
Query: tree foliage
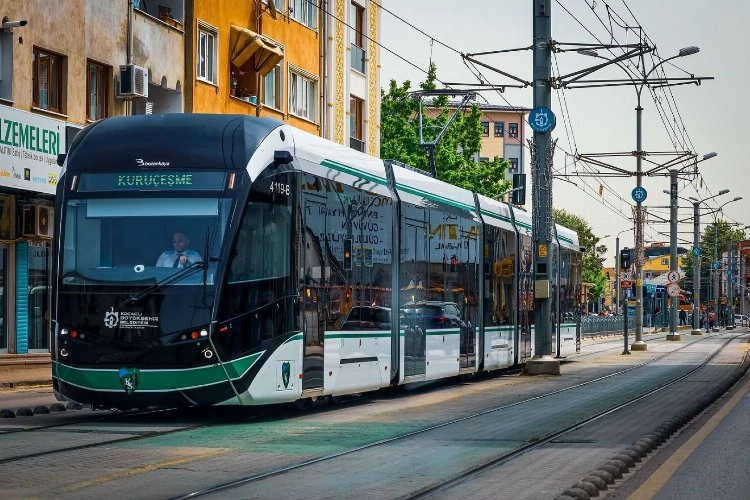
716,237
455,153
592,262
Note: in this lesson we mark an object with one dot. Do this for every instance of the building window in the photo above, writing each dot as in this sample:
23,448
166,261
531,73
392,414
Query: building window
664,262
272,88
207,55
304,11
499,129
486,129
47,80
358,37
279,4
513,130
356,123
302,96
483,159
513,164
97,90
6,64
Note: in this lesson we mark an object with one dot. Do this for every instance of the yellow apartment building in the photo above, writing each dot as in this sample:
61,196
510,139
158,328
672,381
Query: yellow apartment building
657,259
314,67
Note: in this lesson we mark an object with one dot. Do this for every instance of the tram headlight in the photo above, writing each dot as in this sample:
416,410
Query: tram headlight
64,331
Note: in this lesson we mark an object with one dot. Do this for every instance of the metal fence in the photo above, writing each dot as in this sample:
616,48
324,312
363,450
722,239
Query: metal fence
593,326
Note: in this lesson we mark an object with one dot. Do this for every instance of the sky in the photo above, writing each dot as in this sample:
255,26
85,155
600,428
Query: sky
701,119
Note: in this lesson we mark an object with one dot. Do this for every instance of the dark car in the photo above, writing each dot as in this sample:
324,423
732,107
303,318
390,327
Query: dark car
368,318
437,314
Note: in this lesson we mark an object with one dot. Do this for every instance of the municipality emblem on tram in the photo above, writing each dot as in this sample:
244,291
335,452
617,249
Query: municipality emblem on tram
111,318
129,379
286,372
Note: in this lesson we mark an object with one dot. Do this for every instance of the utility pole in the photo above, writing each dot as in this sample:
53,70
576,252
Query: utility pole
696,269
541,162
729,320
673,335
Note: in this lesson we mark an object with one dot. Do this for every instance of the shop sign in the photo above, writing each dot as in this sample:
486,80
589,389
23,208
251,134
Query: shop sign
29,145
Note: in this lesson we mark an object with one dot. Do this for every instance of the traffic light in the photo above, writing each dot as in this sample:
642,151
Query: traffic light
625,258
518,197
347,255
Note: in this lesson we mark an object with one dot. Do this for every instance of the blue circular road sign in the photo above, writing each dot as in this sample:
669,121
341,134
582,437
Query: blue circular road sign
715,265
639,194
542,120
696,252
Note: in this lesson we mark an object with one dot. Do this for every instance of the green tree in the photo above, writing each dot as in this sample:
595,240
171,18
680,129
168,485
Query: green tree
454,154
720,234
592,263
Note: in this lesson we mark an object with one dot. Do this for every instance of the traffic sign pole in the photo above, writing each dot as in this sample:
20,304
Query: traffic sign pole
674,275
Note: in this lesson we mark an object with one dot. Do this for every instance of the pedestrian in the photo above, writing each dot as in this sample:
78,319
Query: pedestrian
683,317
712,318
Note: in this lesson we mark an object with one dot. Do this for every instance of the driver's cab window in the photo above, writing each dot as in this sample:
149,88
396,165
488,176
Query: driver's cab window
109,239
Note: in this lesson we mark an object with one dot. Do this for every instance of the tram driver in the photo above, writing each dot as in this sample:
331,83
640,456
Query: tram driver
181,255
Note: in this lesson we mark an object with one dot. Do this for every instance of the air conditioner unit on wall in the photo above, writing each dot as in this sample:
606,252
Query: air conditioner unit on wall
37,221
133,81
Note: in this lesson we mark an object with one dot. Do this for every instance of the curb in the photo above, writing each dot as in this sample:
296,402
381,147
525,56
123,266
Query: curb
26,383
626,459
40,410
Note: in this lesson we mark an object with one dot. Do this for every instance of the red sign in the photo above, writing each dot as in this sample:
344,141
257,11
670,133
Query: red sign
626,284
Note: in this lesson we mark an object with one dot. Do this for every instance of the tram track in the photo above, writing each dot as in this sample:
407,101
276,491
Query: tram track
496,461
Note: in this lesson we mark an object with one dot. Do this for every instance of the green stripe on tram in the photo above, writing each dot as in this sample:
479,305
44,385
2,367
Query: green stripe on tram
434,197
353,171
155,380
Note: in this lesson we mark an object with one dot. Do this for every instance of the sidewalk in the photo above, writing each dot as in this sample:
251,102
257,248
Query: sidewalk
25,370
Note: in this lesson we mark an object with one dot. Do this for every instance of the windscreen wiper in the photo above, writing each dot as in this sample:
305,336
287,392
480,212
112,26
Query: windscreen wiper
182,273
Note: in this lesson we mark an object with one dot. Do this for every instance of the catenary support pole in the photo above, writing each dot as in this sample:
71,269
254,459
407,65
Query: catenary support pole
639,344
696,269
675,300
542,362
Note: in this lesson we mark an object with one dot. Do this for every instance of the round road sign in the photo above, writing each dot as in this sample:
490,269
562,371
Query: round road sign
673,289
542,120
638,194
673,276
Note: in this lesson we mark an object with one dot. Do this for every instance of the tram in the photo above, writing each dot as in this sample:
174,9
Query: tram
233,260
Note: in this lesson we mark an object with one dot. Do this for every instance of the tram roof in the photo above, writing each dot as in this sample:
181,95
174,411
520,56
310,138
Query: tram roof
207,141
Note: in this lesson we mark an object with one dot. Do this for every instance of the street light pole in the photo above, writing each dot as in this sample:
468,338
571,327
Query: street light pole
673,335
541,155
696,269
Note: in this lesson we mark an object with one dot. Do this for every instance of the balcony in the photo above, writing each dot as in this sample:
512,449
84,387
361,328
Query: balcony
358,58
357,144
160,45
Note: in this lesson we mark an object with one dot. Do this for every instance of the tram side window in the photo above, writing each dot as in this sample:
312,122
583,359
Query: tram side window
357,235
500,289
570,280
260,293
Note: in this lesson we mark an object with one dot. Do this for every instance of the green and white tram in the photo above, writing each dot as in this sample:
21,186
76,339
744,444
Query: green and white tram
312,270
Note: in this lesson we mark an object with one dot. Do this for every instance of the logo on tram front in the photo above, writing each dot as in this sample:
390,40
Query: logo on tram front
129,379
111,318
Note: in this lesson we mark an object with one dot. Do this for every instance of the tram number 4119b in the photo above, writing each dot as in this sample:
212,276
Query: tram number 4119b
280,188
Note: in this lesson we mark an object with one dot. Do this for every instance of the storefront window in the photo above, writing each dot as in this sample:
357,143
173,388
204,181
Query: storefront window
38,255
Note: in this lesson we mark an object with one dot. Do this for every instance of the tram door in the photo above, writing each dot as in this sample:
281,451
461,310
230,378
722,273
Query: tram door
413,283
313,289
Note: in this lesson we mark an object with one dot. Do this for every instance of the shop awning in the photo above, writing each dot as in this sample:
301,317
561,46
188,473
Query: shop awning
248,47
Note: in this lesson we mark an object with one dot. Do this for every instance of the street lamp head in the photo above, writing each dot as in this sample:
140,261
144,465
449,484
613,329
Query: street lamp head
688,51
692,198
709,155
724,191
665,191
738,198
588,52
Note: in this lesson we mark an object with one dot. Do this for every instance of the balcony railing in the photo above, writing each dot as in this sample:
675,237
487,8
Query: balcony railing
358,58
357,144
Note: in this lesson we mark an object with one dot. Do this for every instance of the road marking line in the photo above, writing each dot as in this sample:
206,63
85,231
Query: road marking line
141,470
656,482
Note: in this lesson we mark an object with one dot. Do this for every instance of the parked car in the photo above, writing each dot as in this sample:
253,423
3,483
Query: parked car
741,320
437,314
368,318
